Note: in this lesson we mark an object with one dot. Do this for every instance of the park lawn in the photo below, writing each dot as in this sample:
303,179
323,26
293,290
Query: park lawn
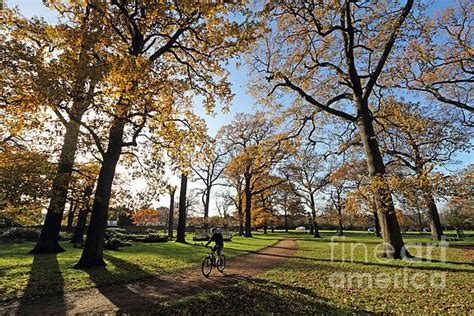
22,274
302,285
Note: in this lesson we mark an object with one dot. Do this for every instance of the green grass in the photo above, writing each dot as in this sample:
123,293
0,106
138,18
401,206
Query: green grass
22,274
302,285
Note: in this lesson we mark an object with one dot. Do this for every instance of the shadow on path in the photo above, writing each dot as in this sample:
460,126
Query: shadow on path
45,278
122,297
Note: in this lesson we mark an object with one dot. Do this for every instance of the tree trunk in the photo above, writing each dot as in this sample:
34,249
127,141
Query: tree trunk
377,224
241,220
248,207
265,227
78,237
420,220
48,241
49,238
171,215
316,233
286,220
206,207
435,222
340,231
181,235
70,216
92,255
392,237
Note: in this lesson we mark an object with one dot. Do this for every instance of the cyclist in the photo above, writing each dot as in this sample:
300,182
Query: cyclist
218,240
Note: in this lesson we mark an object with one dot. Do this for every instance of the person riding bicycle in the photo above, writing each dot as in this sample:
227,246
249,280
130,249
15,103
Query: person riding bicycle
218,240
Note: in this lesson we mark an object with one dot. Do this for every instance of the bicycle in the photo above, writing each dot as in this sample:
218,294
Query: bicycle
211,261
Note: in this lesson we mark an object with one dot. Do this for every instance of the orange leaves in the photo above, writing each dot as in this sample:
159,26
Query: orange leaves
145,216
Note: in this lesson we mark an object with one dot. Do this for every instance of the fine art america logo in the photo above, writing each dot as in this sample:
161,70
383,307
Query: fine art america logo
411,276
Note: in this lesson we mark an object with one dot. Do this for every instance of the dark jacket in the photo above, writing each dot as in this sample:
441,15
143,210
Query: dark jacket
217,238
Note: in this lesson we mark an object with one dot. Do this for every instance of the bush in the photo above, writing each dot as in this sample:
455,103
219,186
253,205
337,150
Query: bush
151,231
155,238
17,234
116,230
151,236
114,244
65,236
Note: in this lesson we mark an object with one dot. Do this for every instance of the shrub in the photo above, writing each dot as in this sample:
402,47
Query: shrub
114,244
115,230
151,231
151,236
155,238
65,236
116,233
17,234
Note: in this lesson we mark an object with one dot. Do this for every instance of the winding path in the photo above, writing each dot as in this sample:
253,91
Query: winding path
143,295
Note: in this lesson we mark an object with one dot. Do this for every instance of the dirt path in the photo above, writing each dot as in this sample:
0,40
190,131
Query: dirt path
143,295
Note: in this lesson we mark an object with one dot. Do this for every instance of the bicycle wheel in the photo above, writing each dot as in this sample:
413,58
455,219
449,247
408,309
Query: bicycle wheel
221,263
206,266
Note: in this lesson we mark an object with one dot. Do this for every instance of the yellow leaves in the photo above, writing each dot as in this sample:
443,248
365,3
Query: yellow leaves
21,215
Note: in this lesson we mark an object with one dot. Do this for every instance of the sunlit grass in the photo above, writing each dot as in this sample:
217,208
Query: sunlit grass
308,283
22,273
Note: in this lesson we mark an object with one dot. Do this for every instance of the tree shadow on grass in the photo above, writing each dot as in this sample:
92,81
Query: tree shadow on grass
255,296
379,264
443,261
124,298
45,278
414,259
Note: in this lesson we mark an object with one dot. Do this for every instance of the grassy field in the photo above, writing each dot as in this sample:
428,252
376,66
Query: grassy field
331,274
351,282
22,274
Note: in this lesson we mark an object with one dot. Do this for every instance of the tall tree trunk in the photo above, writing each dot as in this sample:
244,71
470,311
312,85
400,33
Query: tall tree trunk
92,255
340,231
373,206
78,237
392,236
206,207
435,222
420,220
377,224
248,206
316,233
70,216
286,220
171,215
49,238
265,227
181,234
241,221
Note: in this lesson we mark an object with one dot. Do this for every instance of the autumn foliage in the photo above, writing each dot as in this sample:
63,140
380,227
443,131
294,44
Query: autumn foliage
145,216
